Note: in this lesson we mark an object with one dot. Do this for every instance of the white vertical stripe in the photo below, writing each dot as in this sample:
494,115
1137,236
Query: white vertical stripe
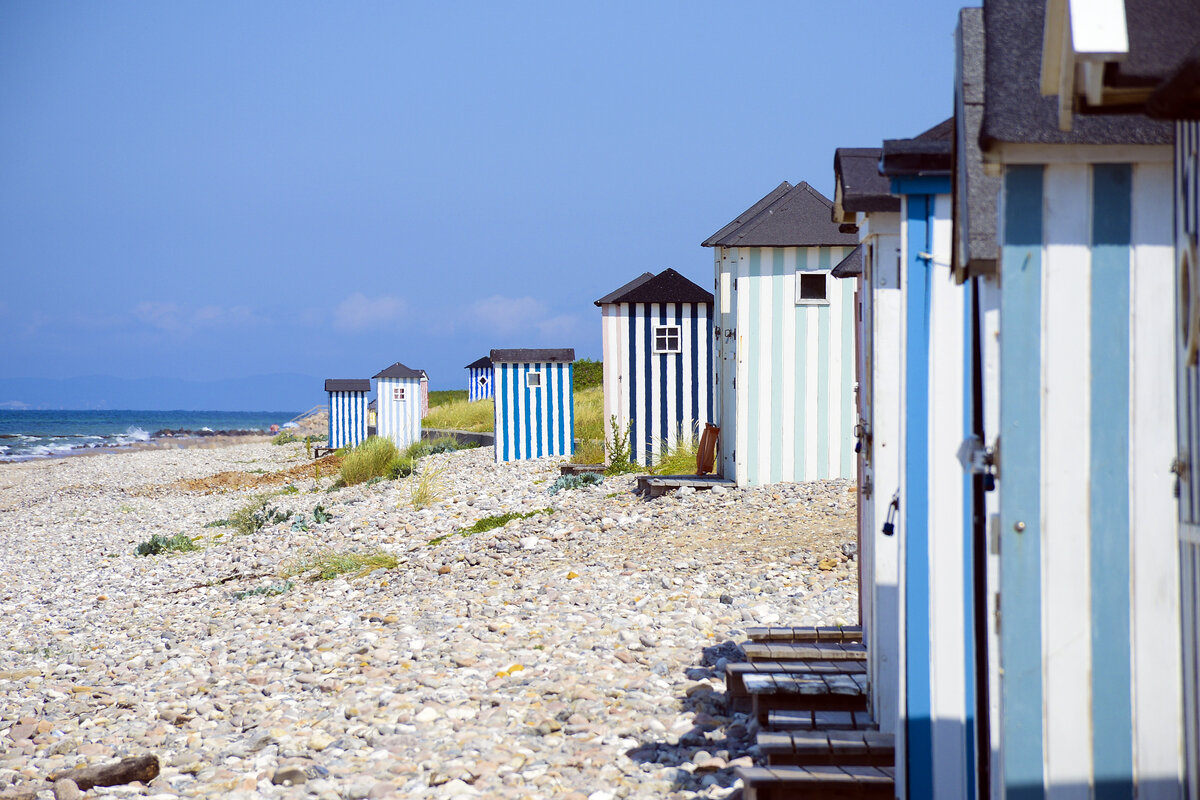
703,363
812,433
741,425
1157,696
642,348
689,333
790,364
765,314
622,337
947,656
1066,321
652,391
837,322
612,378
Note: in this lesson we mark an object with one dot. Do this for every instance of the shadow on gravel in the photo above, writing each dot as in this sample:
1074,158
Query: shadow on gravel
699,758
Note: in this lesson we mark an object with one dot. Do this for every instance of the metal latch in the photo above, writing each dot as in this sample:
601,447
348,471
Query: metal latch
978,459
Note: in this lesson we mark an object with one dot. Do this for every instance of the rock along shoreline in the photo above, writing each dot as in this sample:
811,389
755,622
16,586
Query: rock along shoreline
573,653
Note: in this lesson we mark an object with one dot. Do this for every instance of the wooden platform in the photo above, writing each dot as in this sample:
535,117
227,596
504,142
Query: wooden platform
847,633
735,675
320,452
826,748
805,692
805,651
821,721
824,782
656,485
579,469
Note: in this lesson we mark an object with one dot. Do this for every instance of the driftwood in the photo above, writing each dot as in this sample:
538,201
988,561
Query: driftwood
127,770
235,577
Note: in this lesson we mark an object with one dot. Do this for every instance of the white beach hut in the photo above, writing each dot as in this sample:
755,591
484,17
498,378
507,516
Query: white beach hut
400,400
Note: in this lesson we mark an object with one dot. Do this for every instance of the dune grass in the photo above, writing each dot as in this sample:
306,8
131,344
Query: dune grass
369,460
462,415
443,396
679,458
589,426
329,564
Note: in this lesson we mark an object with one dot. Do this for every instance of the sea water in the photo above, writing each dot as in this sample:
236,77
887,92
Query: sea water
44,434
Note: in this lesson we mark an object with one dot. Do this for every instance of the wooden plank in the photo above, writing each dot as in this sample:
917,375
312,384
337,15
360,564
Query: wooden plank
817,651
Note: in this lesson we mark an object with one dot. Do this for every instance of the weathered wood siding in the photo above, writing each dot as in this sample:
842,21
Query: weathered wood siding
399,419
347,418
534,421
656,396
1089,555
784,371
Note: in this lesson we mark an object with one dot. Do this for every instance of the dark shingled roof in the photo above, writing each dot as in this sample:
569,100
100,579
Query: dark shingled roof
348,384
522,356
398,370
850,266
667,286
479,363
1015,110
859,184
927,153
790,216
975,193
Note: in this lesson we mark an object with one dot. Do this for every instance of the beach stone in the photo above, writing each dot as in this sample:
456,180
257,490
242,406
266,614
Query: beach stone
66,789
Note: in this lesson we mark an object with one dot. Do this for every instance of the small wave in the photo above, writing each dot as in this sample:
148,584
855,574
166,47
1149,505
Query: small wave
134,434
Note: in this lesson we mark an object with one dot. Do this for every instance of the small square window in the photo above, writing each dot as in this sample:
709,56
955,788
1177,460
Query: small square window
666,339
482,380
533,380
812,287
397,392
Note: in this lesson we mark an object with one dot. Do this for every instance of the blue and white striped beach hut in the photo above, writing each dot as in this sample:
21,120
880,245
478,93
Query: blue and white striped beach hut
347,410
535,403
399,396
657,333
784,357
480,380
1078,410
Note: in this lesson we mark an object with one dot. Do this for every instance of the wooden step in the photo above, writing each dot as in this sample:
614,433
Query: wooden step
805,692
816,748
800,720
825,782
805,651
735,675
847,633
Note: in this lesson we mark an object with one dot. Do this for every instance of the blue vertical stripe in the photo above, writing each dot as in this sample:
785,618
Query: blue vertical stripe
682,412
661,399
501,413
648,377
1112,702
571,417
970,308
1020,496
914,504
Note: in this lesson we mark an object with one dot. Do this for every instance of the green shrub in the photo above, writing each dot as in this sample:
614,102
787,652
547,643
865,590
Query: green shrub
330,564
264,591
157,544
400,467
575,481
588,373
257,514
619,463
219,523
286,437
443,396
370,459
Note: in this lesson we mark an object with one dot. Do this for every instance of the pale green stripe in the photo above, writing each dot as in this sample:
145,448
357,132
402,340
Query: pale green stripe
823,343
800,369
750,390
777,367
848,369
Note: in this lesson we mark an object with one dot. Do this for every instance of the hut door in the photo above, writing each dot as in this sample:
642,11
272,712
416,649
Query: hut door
1187,464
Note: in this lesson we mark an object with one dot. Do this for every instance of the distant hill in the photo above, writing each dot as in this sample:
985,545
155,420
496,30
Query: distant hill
254,393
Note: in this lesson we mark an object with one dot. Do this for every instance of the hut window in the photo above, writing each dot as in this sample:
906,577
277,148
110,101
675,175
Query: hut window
533,380
666,339
482,381
812,288
397,392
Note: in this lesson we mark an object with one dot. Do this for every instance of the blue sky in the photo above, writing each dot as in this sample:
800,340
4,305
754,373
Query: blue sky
217,190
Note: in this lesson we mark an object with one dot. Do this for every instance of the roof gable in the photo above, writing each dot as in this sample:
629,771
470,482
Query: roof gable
480,363
667,286
859,184
790,216
348,384
927,153
851,266
398,370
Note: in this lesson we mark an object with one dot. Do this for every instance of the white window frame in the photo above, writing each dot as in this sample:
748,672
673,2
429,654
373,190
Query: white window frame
812,301
666,332
482,381
397,394
533,380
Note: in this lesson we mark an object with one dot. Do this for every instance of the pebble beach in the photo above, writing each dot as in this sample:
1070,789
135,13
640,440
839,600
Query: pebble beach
577,652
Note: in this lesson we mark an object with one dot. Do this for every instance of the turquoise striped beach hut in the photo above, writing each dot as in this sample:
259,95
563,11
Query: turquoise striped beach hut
535,403
1079,416
480,380
400,404
784,356
347,410
657,334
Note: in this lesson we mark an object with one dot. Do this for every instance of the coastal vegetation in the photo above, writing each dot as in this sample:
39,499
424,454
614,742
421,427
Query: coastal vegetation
370,459
678,458
427,488
589,426
156,544
443,396
285,437
462,415
491,523
575,481
329,564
